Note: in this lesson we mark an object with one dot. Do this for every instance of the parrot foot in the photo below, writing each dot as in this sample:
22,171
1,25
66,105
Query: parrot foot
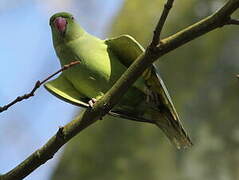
152,97
92,102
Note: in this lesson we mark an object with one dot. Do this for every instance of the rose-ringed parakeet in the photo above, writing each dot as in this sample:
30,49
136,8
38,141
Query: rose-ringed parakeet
102,62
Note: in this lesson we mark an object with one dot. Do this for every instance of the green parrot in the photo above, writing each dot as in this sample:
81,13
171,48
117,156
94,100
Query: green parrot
102,62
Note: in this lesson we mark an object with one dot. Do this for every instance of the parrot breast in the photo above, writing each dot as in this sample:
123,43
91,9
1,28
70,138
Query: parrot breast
99,68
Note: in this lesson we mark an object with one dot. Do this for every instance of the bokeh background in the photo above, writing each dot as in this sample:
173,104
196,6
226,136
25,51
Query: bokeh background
200,77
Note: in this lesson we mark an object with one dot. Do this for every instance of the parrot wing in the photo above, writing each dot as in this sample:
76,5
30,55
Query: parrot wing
63,89
127,49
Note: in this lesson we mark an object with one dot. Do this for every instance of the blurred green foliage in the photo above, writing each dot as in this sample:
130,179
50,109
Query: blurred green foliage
201,80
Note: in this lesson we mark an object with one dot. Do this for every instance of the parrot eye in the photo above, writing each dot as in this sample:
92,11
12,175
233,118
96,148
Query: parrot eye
72,17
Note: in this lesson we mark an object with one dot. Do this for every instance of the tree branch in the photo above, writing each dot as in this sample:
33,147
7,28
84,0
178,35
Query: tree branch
36,86
103,106
157,32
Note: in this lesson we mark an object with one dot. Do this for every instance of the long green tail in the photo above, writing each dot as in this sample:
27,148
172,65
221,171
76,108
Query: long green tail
172,129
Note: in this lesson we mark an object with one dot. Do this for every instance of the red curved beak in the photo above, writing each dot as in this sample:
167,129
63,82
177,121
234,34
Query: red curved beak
60,24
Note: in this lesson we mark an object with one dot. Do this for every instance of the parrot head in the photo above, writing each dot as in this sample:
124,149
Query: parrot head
64,27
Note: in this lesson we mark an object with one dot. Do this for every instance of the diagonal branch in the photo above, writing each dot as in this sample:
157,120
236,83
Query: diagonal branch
36,86
157,32
111,98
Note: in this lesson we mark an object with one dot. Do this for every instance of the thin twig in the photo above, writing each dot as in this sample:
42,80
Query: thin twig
122,114
119,114
233,21
36,86
157,32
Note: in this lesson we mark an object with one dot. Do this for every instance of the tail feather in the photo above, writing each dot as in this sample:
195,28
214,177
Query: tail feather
172,129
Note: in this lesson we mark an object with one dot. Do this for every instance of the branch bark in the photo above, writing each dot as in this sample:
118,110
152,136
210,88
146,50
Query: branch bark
103,106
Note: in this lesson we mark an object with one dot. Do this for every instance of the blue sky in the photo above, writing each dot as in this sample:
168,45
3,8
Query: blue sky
27,55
